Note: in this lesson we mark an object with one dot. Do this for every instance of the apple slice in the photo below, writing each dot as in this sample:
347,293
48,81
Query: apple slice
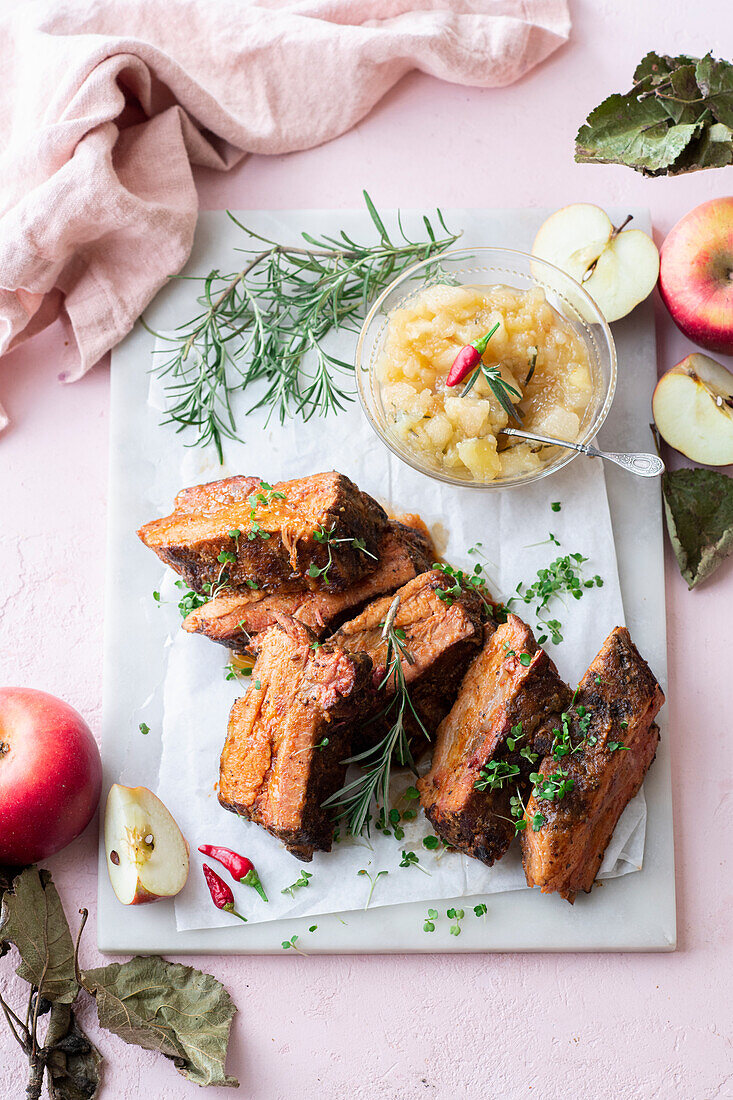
147,856
693,409
618,267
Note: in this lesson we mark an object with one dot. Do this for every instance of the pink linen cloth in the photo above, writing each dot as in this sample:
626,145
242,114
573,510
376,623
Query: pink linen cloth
106,104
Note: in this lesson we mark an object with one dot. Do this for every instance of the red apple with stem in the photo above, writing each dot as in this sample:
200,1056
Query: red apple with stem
50,775
696,274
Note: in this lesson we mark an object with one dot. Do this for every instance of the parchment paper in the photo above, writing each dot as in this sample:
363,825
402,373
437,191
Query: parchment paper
197,698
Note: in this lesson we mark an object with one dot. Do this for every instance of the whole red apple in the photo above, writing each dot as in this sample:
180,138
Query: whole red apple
696,274
50,775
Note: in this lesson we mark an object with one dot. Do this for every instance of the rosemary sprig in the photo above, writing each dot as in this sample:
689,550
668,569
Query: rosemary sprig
353,801
502,390
261,322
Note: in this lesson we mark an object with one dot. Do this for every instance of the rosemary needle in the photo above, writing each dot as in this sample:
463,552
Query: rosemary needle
268,322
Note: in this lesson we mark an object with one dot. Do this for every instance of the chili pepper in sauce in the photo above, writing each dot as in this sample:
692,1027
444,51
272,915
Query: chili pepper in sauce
468,358
239,867
221,895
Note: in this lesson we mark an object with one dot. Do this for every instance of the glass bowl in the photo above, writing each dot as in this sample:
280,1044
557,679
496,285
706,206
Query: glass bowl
487,267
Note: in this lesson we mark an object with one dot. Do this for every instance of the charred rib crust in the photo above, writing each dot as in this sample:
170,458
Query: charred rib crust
234,619
442,637
498,693
565,855
272,771
191,539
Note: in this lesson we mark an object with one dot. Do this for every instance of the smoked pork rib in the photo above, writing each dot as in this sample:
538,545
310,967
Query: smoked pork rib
272,770
441,636
618,699
234,619
499,694
277,547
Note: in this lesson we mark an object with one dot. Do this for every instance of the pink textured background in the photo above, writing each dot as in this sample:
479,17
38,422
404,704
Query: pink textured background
491,1027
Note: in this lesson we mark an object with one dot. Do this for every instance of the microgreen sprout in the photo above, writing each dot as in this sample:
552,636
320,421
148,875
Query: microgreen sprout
495,774
328,539
233,671
481,909
456,915
551,787
409,859
430,919
262,499
563,576
302,880
373,880
292,942
144,728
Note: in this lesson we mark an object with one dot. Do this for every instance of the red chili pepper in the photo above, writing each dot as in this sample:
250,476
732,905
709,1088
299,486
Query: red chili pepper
239,867
468,358
221,895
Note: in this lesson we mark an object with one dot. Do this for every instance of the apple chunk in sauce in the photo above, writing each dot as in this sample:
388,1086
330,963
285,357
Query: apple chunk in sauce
461,435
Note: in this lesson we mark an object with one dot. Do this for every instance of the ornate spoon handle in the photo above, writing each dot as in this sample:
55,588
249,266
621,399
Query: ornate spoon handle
645,465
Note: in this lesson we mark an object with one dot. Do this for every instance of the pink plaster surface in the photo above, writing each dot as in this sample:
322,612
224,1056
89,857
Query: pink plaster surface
493,1027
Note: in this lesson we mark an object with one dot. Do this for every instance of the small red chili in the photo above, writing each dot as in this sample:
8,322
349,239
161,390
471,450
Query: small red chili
221,895
468,358
239,867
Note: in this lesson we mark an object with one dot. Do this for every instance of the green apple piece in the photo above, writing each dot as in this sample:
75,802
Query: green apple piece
618,267
693,410
147,856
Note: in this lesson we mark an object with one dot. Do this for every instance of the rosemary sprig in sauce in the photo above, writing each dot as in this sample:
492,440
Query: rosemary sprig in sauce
261,322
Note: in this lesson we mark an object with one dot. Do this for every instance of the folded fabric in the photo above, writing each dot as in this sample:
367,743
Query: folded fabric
106,104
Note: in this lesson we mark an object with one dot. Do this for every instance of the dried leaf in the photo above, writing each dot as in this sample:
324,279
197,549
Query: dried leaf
73,1062
683,100
715,79
713,148
678,117
632,131
7,874
698,505
657,68
33,919
164,1006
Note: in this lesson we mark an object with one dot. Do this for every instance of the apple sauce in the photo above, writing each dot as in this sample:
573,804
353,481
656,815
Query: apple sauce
462,435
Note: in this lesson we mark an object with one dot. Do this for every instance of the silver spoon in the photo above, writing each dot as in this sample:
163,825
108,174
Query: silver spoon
645,465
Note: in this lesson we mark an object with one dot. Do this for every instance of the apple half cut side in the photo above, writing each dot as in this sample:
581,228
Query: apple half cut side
693,410
147,856
618,267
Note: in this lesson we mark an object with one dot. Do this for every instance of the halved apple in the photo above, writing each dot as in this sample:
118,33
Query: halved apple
147,856
618,267
693,409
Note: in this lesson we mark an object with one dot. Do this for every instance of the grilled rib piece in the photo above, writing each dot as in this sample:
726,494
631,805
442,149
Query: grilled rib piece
233,620
498,693
565,854
276,548
272,771
441,636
